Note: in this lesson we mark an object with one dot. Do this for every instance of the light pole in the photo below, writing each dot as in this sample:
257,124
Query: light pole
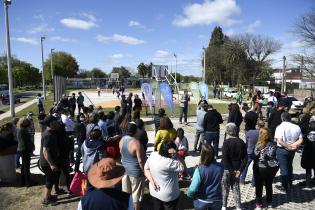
42,38
204,65
11,95
175,66
52,71
283,86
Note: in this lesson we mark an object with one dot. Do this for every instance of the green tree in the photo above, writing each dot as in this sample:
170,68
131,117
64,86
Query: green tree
142,69
215,68
122,71
64,64
97,73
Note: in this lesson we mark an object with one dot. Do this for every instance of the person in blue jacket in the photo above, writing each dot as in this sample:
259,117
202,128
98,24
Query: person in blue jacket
205,187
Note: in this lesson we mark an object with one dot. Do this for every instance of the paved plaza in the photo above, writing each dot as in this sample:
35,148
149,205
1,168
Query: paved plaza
299,198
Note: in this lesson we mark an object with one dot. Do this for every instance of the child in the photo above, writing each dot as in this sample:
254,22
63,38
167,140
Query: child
182,149
308,152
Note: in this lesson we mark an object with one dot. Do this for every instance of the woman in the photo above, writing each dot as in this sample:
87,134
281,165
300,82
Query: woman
235,116
124,123
166,131
205,187
25,149
265,166
161,169
307,161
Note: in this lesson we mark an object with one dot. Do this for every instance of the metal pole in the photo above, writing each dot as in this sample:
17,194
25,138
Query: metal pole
11,95
175,67
283,88
52,71
42,38
204,65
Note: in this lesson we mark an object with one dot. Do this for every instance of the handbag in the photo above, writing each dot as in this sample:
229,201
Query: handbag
78,184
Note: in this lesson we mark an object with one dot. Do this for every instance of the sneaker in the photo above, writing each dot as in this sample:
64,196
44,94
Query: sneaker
49,201
223,208
258,206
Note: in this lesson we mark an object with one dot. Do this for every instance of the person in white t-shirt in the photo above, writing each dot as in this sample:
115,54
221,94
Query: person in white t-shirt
161,169
289,138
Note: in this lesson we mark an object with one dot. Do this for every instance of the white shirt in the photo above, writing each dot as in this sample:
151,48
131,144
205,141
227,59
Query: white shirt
272,99
69,124
165,172
288,132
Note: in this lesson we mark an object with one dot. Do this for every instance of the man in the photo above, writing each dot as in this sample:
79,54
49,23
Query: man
117,117
123,104
275,118
289,138
64,102
40,103
184,107
31,128
200,134
286,101
132,159
69,130
129,103
73,104
49,156
103,176
80,101
211,126
98,90
257,101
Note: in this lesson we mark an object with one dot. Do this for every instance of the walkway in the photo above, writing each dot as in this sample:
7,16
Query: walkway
17,109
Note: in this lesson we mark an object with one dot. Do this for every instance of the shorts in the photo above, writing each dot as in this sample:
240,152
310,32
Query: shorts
51,176
133,186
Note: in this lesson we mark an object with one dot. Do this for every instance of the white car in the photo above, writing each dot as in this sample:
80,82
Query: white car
296,104
230,93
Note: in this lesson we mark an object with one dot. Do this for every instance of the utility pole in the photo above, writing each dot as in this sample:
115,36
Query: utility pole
52,70
175,66
10,80
283,86
204,65
42,38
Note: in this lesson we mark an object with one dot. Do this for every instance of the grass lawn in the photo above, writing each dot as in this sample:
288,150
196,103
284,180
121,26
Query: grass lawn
47,105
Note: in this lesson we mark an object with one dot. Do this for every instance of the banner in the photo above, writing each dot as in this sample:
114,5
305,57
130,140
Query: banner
146,88
166,92
157,93
195,91
203,87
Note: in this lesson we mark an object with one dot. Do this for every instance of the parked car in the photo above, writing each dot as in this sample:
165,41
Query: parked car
230,93
6,99
296,106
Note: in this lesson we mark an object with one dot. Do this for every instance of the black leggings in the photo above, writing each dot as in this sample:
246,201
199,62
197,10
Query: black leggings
264,177
25,168
160,205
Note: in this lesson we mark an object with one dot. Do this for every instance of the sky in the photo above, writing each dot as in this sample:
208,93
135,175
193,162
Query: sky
107,33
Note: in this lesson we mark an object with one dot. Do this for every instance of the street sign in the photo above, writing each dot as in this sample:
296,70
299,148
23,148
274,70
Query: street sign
114,76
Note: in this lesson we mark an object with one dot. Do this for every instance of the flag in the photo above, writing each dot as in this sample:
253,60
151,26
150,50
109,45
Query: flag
166,92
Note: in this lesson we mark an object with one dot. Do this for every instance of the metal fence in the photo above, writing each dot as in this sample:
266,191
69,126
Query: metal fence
59,87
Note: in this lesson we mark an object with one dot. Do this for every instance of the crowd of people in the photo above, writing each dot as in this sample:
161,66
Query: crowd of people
112,149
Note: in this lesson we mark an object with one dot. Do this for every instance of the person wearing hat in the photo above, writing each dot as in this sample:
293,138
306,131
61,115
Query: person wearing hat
132,158
49,156
275,118
200,134
234,158
93,149
103,175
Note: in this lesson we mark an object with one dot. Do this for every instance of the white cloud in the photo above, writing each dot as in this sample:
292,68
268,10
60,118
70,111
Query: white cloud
230,32
25,40
61,39
209,12
41,29
79,23
253,26
294,45
120,38
161,54
117,56
134,23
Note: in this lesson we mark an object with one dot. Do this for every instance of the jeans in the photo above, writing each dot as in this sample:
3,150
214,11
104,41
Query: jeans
244,172
286,169
199,205
213,137
199,135
264,177
183,111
